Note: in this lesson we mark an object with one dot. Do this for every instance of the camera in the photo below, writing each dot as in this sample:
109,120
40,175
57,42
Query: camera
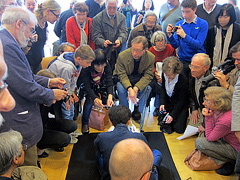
125,1
174,29
142,12
162,117
224,68
68,96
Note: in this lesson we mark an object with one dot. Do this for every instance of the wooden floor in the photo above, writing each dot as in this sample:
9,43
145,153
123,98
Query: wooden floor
56,165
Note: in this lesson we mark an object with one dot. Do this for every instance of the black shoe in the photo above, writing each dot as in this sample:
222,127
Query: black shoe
85,129
38,164
61,149
226,170
167,129
43,155
156,112
161,128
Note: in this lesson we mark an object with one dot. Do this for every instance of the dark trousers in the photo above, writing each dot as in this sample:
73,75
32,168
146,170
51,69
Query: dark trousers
186,70
179,124
56,133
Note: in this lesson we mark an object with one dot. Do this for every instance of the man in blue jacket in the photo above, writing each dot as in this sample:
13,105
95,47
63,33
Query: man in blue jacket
189,35
120,117
27,89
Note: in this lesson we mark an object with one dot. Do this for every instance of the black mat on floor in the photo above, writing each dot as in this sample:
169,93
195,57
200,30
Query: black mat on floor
82,165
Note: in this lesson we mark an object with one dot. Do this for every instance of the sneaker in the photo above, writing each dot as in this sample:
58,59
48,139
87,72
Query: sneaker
73,140
76,134
156,112
226,170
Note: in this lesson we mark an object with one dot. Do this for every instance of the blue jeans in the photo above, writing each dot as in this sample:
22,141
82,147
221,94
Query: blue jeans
87,110
67,114
123,94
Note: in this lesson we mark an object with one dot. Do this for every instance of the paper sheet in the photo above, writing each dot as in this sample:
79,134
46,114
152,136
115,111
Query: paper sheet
190,130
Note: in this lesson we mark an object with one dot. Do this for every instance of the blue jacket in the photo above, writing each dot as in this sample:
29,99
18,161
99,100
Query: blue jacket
105,142
27,89
192,44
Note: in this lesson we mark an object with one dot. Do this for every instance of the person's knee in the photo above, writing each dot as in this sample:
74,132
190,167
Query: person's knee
199,143
120,88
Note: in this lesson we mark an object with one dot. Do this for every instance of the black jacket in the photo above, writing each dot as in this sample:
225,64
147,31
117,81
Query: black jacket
179,99
210,40
106,81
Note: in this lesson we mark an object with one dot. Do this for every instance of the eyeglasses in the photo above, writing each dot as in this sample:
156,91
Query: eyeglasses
151,170
113,8
151,22
159,41
57,15
207,101
194,67
237,59
24,147
32,30
3,86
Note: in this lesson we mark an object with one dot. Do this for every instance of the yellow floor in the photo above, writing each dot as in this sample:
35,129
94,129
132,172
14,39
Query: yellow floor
56,165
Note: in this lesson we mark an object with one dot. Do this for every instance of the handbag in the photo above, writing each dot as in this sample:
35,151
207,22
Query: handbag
198,161
98,118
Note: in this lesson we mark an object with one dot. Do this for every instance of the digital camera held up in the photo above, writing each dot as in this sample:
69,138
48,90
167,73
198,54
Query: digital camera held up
174,29
225,67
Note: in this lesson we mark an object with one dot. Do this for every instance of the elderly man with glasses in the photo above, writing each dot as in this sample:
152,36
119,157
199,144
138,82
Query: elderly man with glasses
147,28
199,69
27,89
109,31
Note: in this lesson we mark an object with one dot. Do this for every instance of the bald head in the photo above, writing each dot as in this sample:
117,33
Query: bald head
130,159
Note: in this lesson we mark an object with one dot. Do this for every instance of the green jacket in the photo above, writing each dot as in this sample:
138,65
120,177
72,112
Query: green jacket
125,66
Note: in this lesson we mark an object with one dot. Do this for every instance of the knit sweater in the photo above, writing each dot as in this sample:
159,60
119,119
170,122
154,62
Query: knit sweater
218,126
192,44
210,18
74,34
161,55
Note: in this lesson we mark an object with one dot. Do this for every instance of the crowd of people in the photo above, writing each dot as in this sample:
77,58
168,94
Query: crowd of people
187,57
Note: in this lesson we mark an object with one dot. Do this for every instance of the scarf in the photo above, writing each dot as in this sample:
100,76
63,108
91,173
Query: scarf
84,39
220,55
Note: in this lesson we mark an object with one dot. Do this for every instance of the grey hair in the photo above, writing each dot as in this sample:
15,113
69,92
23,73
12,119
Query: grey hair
63,46
204,57
110,1
158,35
149,13
10,147
14,13
172,65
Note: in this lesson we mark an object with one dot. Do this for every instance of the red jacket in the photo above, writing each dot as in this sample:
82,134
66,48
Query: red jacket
74,34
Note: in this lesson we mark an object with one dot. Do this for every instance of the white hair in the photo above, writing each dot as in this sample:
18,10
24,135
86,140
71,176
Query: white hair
10,147
14,13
